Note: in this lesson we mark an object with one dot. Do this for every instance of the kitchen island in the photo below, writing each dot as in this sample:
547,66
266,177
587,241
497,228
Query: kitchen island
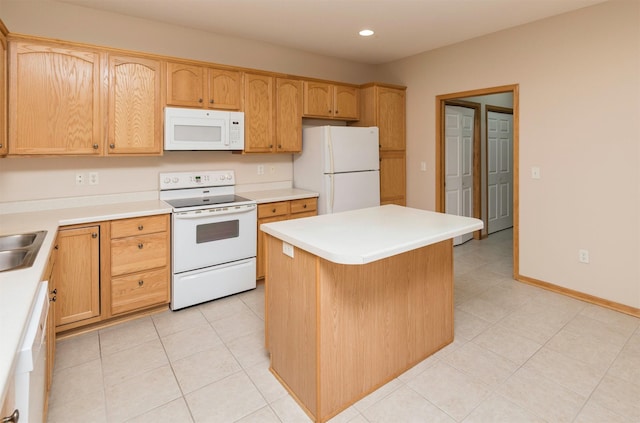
354,299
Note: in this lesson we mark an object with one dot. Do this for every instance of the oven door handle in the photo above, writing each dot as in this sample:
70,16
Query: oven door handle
208,213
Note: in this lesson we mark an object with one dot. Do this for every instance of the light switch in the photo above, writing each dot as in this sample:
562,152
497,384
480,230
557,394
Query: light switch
423,166
535,172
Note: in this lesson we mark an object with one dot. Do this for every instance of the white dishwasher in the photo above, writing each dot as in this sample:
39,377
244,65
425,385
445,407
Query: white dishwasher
31,364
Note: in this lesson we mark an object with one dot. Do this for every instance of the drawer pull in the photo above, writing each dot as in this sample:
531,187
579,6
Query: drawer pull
273,210
140,227
140,282
304,207
13,418
94,235
140,246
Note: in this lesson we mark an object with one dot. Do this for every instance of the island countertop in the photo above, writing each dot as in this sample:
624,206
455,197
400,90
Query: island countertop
366,235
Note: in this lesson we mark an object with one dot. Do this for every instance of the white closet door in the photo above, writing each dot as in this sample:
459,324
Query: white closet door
500,171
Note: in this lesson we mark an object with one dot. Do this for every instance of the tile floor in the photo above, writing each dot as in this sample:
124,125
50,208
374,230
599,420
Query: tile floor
521,354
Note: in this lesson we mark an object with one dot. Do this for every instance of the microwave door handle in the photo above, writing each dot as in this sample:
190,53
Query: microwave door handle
195,215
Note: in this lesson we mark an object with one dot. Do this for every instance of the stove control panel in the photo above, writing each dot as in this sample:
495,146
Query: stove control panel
211,178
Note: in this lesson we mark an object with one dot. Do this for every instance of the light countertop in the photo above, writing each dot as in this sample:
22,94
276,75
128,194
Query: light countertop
366,235
18,287
274,195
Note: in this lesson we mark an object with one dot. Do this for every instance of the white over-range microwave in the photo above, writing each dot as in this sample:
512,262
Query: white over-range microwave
196,129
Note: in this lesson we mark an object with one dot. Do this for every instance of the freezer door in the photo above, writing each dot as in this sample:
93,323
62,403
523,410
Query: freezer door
351,149
350,191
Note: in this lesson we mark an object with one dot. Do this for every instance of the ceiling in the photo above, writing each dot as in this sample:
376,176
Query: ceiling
330,27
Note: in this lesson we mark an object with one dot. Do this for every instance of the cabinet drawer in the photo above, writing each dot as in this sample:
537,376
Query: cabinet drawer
303,205
273,209
139,226
139,290
139,253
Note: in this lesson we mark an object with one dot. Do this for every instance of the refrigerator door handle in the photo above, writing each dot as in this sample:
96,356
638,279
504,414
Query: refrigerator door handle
331,194
330,145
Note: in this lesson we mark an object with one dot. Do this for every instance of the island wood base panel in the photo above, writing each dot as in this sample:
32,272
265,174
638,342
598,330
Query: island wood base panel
337,332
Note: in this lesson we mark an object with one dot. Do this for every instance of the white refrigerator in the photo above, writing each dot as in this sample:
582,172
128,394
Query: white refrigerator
341,163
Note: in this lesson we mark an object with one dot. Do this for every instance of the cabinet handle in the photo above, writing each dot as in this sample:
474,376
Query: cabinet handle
94,235
199,100
95,146
140,282
112,146
140,227
140,246
12,418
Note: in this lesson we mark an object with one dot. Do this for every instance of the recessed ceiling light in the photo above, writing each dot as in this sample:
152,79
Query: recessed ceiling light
366,32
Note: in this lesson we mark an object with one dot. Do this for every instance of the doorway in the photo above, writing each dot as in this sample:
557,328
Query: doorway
441,103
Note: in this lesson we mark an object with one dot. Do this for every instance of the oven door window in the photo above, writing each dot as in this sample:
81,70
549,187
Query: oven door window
210,232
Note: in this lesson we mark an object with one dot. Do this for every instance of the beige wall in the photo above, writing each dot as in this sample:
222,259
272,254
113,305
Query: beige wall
579,78
44,178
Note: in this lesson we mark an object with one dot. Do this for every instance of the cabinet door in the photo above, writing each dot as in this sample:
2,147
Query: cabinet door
288,115
392,178
77,275
346,102
260,258
318,99
3,91
258,113
224,89
185,85
391,118
135,110
55,100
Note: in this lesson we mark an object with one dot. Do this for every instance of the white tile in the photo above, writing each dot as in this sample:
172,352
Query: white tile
288,411
140,394
405,405
174,411
249,349
240,324
125,364
595,413
450,389
507,343
226,400
543,397
497,409
190,341
263,415
170,322
204,367
76,350
270,388
223,308
484,309
620,396
350,415
377,395
468,325
73,382
583,347
84,407
486,366
127,335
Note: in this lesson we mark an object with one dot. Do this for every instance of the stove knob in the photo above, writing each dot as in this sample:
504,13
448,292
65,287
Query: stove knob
175,179
167,180
229,177
222,177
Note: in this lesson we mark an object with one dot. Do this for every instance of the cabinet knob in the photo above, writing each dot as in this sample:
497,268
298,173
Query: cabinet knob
95,146
53,299
273,210
337,112
0,145
56,247
94,235
140,282
270,145
199,100
211,101
55,291
140,246
112,146
304,207
280,146
329,111
13,418
140,227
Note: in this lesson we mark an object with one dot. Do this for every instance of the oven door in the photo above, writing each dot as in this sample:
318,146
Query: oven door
203,238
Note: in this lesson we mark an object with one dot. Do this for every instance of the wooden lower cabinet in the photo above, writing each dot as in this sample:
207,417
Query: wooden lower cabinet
110,269
77,276
140,272
275,212
393,178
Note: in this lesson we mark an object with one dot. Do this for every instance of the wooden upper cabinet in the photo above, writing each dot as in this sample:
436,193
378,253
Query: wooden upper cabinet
3,89
288,115
135,107
55,100
258,113
330,101
204,87
391,118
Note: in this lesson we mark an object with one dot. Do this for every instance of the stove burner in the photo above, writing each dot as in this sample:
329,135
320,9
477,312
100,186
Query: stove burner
205,201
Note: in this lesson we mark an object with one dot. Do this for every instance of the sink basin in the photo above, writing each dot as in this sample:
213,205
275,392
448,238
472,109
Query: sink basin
19,251
12,259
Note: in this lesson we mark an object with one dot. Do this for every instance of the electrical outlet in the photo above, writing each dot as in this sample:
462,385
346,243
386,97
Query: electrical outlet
93,178
287,249
272,169
423,166
260,169
535,172
79,179
583,256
